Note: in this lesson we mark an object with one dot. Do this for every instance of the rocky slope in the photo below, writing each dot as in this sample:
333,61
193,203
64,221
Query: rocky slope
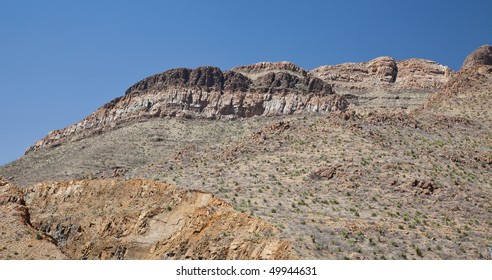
18,238
346,185
468,93
135,219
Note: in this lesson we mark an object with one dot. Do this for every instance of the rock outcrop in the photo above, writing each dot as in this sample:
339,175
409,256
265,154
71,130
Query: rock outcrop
264,89
421,74
143,219
359,76
481,56
384,73
384,83
468,93
18,239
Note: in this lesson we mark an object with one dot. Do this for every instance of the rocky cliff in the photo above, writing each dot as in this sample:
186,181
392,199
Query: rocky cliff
381,71
206,92
263,89
481,56
385,73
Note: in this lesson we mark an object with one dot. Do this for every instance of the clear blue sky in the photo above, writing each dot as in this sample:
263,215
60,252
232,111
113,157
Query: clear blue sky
61,60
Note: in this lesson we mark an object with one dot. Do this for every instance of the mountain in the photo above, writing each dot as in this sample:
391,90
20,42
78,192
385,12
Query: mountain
262,89
207,92
374,160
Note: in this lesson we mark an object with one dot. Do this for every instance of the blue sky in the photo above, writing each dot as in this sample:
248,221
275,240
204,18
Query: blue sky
61,60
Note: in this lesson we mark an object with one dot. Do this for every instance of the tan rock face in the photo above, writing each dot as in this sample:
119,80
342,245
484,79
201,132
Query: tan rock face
418,74
385,73
383,68
18,239
141,219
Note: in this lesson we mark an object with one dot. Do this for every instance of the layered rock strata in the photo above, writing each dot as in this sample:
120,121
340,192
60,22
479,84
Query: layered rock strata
206,92
384,83
263,89
385,73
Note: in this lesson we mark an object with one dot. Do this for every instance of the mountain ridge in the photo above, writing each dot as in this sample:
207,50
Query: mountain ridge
261,89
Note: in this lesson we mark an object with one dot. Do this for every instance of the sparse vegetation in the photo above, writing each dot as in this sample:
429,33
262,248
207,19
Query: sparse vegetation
415,186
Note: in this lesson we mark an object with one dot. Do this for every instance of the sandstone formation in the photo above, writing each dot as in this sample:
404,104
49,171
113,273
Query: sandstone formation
481,56
263,89
384,83
381,71
421,74
143,219
386,74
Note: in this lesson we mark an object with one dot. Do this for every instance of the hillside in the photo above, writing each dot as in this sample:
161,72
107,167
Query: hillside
19,240
134,219
383,159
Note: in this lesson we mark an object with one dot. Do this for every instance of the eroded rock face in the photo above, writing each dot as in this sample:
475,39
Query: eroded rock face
207,92
385,73
383,68
481,56
141,219
421,74
263,89
18,239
